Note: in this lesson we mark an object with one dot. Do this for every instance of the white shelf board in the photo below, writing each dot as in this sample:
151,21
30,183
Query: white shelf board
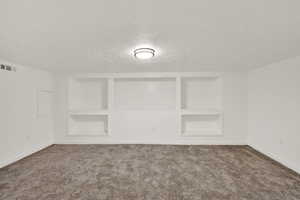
88,112
83,77
201,112
203,132
145,108
88,133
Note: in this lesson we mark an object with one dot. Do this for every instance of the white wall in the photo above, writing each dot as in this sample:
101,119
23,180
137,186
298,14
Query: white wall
274,108
21,131
235,119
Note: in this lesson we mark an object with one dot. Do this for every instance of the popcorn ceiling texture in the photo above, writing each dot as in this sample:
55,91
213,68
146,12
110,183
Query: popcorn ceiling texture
148,172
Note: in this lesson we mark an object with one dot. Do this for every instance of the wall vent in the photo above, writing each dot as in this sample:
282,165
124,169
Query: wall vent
8,68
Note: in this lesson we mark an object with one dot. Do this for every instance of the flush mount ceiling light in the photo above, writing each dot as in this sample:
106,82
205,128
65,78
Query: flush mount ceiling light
144,53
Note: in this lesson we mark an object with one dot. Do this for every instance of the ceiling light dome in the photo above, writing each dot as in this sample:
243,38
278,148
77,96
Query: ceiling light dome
144,53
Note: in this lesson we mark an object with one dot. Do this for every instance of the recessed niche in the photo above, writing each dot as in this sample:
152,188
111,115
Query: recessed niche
82,125
88,94
145,93
200,93
201,125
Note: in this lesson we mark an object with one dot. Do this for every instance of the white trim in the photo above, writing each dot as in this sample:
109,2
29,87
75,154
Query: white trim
148,75
178,105
110,104
203,133
24,154
169,142
282,161
88,112
201,112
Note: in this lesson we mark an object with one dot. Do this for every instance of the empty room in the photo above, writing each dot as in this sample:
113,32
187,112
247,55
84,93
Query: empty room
150,100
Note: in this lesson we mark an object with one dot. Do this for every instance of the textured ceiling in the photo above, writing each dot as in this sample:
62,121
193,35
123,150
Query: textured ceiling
191,35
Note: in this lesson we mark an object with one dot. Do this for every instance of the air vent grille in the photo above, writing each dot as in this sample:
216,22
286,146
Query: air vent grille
8,68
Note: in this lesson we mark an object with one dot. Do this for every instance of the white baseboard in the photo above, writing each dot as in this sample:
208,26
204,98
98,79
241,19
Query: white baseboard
282,161
172,142
24,154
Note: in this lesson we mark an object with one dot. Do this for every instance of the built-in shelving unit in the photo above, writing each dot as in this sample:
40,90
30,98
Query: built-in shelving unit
88,106
201,104
194,97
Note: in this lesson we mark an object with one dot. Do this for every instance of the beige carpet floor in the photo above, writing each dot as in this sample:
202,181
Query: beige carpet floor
148,172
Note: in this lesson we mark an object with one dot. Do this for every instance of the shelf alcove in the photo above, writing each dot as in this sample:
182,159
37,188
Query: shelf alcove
201,125
201,113
88,106
91,125
88,94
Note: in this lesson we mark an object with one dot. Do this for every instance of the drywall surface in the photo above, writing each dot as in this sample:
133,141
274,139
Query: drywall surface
274,107
158,125
22,130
